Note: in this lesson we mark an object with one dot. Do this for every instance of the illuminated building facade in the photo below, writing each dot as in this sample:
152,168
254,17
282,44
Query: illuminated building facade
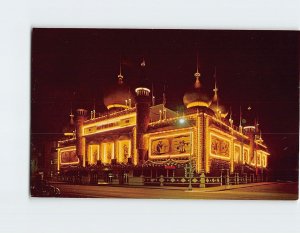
136,138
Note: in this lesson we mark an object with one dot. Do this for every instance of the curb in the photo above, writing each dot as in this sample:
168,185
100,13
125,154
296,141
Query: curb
208,189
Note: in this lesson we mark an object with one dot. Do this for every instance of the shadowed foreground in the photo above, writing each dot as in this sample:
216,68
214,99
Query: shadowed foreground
258,191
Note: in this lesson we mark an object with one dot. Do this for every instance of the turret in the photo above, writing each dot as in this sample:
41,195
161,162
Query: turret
143,102
250,131
215,105
81,116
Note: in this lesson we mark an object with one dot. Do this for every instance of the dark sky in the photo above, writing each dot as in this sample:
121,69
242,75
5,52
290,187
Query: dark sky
256,68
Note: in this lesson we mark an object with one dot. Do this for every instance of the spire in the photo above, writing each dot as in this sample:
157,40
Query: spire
260,135
164,96
71,116
164,103
197,75
143,63
230,118
93,112
240,116
120,76
153,97
215,90
240,126
94,103
71,112
143,71
256,124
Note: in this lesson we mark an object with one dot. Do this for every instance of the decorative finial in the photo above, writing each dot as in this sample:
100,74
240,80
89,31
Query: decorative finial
71,115
153,97
215,76
230,118
197,76
260,135
143,63
164,96
215,90
240,116
120,76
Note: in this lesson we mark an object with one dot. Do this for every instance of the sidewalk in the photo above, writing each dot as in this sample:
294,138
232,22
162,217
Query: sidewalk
229,187
195,189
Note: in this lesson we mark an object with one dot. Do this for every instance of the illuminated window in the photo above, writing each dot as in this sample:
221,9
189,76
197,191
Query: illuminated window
237,153
124,149
258,159
93,154
108,152
246,155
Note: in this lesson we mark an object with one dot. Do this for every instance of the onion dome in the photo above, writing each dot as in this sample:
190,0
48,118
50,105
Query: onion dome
196,97
118,96
219,109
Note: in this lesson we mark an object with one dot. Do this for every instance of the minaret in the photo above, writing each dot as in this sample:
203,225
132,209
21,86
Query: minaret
81,116
143,102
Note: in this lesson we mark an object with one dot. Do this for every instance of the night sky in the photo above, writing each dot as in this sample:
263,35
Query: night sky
254,68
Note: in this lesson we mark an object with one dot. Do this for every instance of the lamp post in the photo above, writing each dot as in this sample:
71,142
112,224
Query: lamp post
182,121
190,188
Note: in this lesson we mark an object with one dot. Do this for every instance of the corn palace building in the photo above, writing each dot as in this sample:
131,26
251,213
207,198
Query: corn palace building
138,142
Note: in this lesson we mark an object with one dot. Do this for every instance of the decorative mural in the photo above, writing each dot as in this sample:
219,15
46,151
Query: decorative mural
219,146
160,146
181,144
69,157
171,145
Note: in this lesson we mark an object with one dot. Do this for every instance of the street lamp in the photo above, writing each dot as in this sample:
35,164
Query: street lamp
190,188
182,121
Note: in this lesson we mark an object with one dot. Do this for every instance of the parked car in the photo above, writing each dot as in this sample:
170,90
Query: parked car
41,188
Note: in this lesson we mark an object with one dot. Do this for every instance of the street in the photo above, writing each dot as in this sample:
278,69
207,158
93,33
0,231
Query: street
256,191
